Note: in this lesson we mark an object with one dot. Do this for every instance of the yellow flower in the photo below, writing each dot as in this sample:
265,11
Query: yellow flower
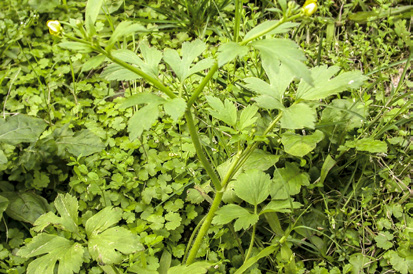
54,27
309,7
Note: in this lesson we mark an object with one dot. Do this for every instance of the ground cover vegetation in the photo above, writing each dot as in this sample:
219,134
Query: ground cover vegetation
224,136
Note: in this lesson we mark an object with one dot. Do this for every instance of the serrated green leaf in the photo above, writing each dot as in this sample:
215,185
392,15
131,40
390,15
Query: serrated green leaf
230,212
300,145
247,117
271,94
91,14
102,220
25,206
107,247
174,220
83,143
190,51
175,108
229,51
285,27
21,129
383,239
287,181
195,268
67,206
142,120
283,206
298,116
124,28
253,186
53,248
399,263
93,62
325,86
369,145
286,51
226,112
142,98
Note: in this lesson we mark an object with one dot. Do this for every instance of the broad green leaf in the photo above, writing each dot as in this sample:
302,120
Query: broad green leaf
76,46
247,117
109,246
283,206
324,85
67,207
142,120
287,181
115,72
93,62
3,158
124,28
53,248
259,159
4,202
369,145
399,263
298,116
83,143
142,98
285,27
300,145
102,220
21,129
226,112
253,186
286,51
91,14
228,213
195,268
25,206
175,108
190,51
229,51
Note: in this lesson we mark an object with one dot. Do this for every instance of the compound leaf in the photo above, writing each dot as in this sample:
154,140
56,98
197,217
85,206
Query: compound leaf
175,108
102,220
229,51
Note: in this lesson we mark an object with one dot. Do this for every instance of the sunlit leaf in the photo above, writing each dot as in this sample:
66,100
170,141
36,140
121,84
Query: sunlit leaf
253,186
300,145
230,212
229,51
298,116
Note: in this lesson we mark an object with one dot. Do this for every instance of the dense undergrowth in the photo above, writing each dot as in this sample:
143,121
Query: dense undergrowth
308,150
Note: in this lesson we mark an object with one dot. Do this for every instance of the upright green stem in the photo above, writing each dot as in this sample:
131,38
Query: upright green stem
237,21
204,228
201,86
254,227
199,151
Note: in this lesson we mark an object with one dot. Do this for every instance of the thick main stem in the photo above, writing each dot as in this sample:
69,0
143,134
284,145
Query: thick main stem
204,228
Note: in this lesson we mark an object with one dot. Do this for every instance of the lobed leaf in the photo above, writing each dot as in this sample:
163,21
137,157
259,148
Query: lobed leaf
300,145
230,212
298,116
226,112
253,186
102,220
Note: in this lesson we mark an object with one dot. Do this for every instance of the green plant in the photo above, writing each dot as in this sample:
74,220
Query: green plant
282,61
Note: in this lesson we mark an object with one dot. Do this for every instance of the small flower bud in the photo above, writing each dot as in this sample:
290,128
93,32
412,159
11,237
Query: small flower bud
54,27
309,7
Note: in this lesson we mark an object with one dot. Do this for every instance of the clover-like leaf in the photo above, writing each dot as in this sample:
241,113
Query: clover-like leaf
52,249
